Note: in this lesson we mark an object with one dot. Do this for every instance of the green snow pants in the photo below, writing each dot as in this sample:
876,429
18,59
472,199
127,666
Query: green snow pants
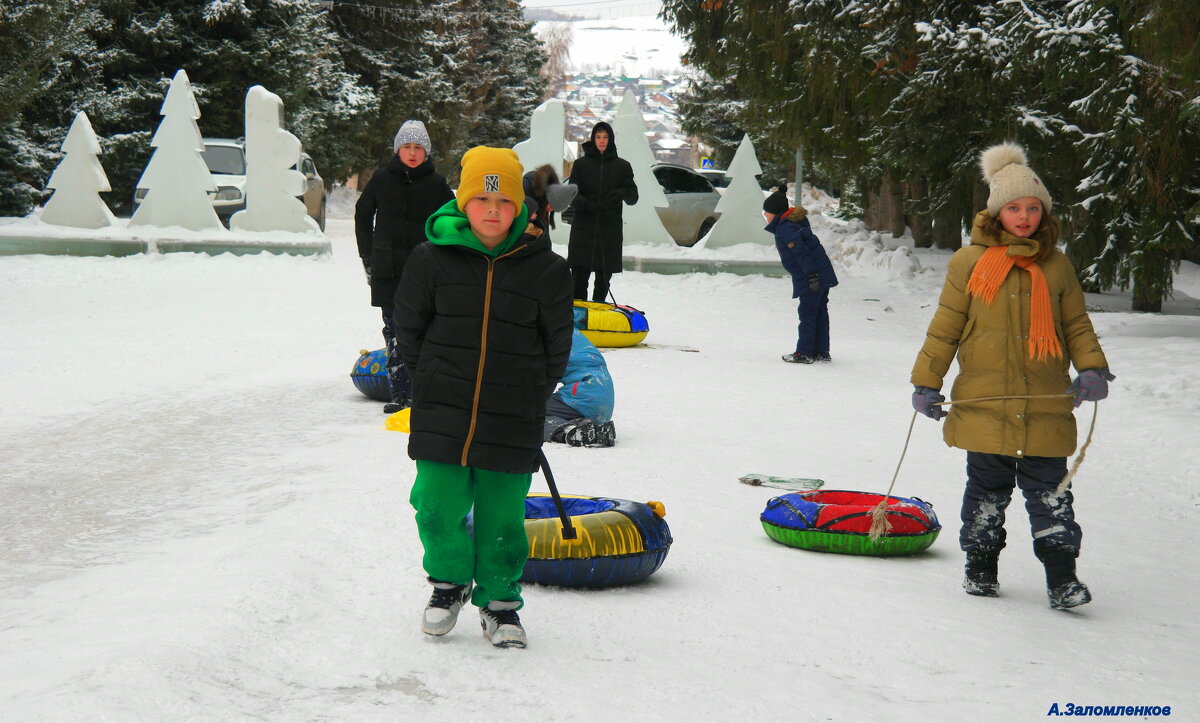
495,556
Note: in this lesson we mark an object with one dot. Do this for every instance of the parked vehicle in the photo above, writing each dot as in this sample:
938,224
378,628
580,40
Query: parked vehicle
691,203
715,176
226,161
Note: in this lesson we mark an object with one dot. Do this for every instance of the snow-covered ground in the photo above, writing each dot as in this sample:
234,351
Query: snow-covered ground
640,45
202,519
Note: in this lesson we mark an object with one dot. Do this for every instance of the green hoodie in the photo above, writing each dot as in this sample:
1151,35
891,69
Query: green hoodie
449,227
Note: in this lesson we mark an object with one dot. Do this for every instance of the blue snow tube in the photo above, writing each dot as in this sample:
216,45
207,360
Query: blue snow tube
619,541
370,375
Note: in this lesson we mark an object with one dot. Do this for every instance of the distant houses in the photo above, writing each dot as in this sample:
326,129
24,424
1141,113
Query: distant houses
594,96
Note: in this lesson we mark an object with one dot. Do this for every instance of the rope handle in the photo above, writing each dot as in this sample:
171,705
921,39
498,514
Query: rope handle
879,521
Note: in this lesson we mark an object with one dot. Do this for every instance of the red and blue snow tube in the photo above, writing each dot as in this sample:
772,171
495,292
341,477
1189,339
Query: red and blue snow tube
619,541
839,521
370,375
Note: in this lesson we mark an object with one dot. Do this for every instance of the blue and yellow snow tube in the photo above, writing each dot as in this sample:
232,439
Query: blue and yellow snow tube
619,541
610,324
370,375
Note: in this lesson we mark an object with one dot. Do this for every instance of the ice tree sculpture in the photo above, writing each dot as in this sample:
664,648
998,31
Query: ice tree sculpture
741,218
641,221
78,181
176,179
272,185
547,129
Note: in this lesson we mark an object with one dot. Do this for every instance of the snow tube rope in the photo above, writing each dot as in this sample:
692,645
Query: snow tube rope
840,520
619,541
610,325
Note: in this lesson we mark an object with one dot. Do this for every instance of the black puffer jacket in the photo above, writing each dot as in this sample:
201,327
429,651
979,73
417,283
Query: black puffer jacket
389,221
605,182
488,340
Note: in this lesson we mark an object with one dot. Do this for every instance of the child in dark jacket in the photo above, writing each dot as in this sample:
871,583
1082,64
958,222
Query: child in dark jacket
389,222
812,275
484,320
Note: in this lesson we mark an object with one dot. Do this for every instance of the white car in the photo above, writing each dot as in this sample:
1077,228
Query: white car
226,161
691,203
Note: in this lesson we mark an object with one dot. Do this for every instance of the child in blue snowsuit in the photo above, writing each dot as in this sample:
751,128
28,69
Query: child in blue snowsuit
812,275
579,413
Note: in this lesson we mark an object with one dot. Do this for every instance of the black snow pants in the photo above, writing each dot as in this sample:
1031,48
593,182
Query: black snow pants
990,482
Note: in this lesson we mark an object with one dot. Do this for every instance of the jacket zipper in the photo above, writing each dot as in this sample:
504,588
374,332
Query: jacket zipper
487,312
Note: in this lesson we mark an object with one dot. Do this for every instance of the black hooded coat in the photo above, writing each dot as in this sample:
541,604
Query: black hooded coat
605,181
389,221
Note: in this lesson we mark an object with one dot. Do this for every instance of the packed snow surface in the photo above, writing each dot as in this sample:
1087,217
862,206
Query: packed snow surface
203,519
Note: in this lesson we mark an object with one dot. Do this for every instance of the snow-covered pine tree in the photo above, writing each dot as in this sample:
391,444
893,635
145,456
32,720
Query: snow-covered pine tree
38,91
514,57
78,181
284,44
393,48
176,179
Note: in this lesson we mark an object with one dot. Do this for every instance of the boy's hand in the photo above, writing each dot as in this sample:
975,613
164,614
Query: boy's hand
814,283
1091,385
367,269
925,400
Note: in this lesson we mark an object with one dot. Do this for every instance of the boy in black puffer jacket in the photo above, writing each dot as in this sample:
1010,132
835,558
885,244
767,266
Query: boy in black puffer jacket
389,222
484,321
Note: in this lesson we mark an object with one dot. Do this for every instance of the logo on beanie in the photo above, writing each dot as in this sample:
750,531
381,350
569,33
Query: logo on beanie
491,183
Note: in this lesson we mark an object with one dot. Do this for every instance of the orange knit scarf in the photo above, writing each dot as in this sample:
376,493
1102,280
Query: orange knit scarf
985,281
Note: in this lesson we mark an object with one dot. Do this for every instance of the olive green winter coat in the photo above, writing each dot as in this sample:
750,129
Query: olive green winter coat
993,354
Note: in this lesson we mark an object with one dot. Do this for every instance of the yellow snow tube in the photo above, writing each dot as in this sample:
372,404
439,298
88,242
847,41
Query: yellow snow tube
610,325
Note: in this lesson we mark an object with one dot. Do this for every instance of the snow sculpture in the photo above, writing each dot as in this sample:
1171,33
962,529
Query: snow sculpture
741,218
641,221
176,179
271,184
78,181
547,131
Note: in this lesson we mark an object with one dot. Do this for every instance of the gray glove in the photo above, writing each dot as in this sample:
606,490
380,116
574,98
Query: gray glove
925,399
814,283
367,269
560,195
1091,385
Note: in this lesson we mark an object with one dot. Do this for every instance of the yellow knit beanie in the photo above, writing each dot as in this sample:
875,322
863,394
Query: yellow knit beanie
490,170
1009,177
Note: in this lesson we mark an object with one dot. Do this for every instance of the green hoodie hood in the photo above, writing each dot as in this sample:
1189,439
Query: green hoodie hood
449,227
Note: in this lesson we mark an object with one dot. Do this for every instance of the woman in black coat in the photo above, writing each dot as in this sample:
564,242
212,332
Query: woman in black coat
389,222
605,181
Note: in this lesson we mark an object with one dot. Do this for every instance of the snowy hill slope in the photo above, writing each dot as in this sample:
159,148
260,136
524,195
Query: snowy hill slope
203,520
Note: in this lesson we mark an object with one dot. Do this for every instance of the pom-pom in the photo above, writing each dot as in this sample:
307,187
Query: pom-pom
999,156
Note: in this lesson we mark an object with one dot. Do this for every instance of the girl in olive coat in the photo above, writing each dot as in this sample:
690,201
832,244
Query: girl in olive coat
1013,313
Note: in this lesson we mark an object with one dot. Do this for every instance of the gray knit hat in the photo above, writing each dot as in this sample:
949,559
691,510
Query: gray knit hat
412,131
1004,168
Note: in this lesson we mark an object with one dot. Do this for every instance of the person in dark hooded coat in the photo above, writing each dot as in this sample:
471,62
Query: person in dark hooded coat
389,222
605,181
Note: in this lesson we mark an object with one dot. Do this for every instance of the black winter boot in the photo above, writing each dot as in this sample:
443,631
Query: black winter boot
981,572
1062,586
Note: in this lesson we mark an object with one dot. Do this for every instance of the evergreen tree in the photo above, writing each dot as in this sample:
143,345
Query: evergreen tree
37,41
470,69
1103,94
124,52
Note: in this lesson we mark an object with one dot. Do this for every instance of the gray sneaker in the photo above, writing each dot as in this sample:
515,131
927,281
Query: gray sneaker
501,625
444,605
